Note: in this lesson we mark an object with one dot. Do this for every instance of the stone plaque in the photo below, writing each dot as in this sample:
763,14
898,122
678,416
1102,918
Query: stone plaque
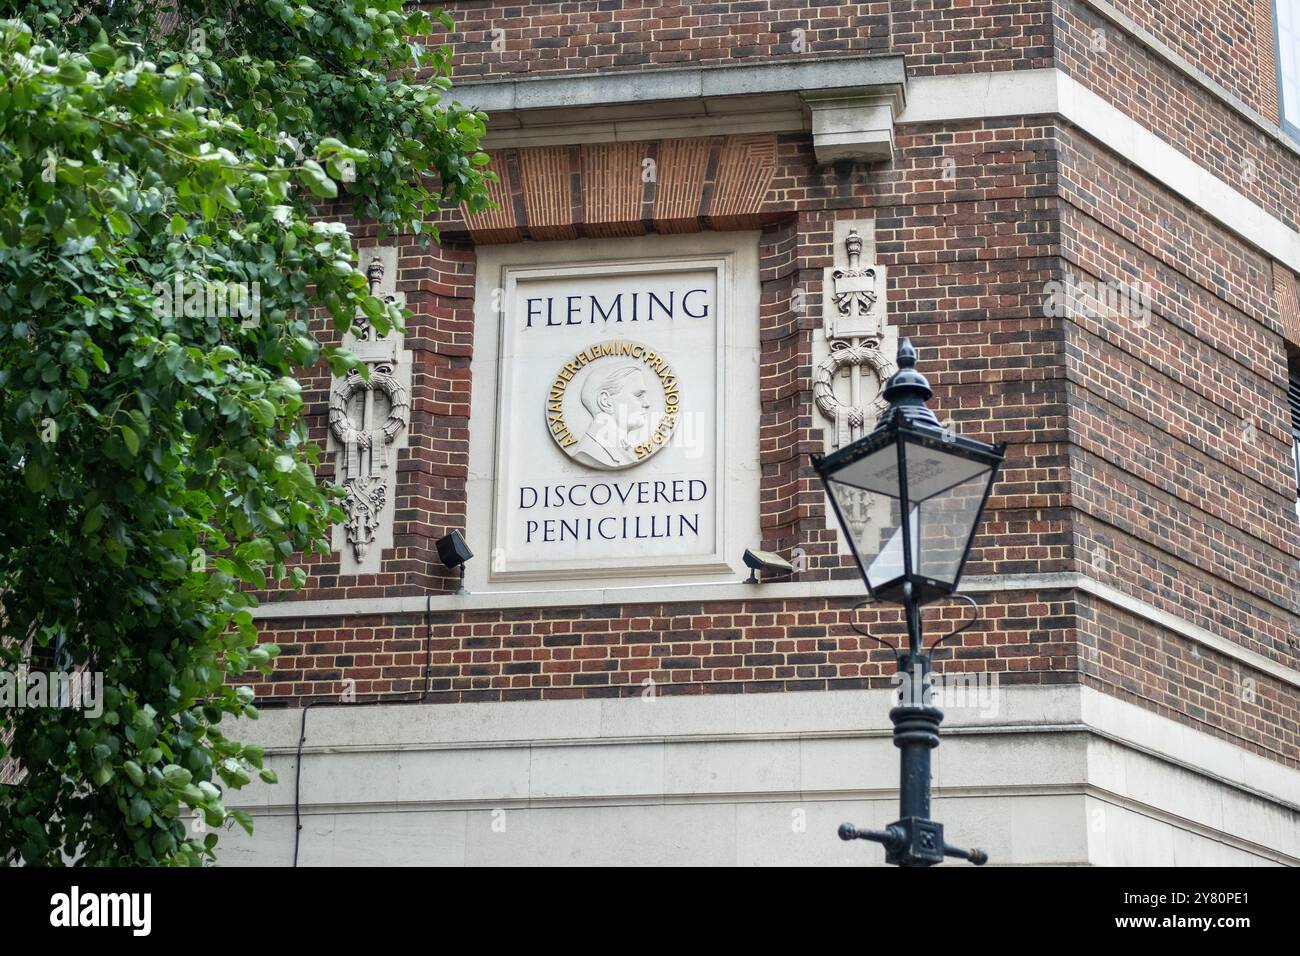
611,430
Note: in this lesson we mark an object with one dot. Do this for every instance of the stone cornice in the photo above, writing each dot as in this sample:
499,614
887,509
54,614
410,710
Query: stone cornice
847,103
850,105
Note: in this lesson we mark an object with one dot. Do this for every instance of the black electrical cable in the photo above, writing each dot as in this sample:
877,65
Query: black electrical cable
428,641
302,736
420,698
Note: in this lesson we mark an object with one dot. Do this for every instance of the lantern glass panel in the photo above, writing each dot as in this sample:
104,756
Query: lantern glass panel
946,522
865,494
888,564
935,466
875,472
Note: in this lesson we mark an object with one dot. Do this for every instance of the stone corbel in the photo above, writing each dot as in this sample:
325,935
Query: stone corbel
856,126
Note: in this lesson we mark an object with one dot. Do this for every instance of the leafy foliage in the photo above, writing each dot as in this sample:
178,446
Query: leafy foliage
153,457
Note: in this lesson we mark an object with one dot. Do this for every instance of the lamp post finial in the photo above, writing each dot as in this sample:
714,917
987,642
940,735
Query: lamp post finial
908,390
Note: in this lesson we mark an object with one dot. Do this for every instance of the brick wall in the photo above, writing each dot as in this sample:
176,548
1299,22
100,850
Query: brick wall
1145,87
495,39
1151,455
1135,661
666,649
1180,428
1232,55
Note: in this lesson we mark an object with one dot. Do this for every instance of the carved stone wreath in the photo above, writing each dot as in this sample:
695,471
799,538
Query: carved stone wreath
858,353
352,435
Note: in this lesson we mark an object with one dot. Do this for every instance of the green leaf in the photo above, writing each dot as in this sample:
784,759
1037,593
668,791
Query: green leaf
315,179
140,810
180,425
94,521
177,777
70,73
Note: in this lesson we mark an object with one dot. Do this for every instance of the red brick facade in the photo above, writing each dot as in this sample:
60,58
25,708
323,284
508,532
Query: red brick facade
1151,456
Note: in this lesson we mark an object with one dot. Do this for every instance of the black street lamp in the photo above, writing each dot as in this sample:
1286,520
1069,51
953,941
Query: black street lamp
909,497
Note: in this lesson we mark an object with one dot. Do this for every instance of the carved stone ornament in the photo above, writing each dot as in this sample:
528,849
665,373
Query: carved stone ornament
851,415
854,326
365,445
367,416
853,357
857,294
375,279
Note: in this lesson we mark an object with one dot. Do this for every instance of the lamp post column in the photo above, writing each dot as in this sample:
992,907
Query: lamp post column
914,840
916,723
916,733
919,469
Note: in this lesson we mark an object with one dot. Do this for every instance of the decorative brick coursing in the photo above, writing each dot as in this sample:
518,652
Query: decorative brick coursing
607,190
548,191
682,165
501,220
745,167
613,189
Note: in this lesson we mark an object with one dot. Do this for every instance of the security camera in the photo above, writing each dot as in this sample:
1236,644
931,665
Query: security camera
768,561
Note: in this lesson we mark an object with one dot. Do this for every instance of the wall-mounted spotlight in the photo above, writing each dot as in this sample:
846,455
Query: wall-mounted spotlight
768,561
454,552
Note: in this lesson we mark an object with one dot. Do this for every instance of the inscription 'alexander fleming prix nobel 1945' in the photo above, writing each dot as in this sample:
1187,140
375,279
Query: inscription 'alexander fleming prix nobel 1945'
652,440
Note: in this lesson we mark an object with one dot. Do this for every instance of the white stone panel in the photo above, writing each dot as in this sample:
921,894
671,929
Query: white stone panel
614,423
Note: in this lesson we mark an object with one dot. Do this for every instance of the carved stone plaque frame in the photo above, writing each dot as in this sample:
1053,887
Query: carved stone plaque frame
503,419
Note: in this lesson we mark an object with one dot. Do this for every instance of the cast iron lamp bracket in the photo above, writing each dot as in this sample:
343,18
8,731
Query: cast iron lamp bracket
913,842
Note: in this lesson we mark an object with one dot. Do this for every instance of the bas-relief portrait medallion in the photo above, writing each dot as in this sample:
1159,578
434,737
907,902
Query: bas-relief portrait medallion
613,405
